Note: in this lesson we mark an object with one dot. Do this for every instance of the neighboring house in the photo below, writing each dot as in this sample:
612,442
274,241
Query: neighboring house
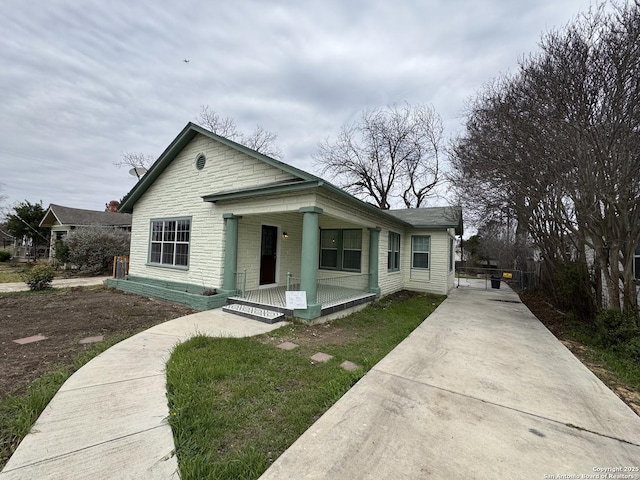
211,214
63,220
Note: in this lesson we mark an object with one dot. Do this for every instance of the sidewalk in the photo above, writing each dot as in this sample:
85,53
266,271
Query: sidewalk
57,283
109,419
480,390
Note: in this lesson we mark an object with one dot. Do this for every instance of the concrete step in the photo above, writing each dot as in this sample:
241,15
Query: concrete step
254,313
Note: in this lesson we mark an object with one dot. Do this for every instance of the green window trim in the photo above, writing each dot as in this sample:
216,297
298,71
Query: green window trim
451,254
170,242
420,251
341,249
393,253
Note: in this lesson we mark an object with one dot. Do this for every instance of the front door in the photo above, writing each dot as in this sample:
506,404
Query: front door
268,255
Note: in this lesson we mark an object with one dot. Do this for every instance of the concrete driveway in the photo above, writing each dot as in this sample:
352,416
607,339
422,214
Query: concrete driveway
480,390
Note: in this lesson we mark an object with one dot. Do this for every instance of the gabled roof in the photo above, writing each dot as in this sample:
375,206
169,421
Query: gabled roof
444,217
184,137
303,180
77,217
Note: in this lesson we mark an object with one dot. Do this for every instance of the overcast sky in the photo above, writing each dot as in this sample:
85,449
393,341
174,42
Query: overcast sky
82,82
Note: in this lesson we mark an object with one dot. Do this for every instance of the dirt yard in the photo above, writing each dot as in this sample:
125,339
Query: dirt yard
65,317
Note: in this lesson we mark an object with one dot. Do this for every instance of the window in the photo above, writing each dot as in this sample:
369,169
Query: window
170,242
329,248
451,260
341,249
393,256
351,249
636,263
420,245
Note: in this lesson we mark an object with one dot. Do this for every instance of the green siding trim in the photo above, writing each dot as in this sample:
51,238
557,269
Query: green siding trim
230,252
183,293
374,248
261,190
309,254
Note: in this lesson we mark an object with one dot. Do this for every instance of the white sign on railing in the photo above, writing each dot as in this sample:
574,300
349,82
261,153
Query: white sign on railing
296,300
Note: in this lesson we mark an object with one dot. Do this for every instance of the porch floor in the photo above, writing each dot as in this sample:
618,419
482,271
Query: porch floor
332,298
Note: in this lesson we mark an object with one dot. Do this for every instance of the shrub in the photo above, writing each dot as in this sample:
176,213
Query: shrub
632,348
616,328
39,277
92,248
572,289
5,256
62,251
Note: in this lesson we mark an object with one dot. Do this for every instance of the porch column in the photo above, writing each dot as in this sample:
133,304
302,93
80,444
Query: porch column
374,255
309,262
230,252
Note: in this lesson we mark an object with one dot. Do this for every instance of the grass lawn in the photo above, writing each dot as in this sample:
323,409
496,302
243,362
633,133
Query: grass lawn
13,272
237,404
10,273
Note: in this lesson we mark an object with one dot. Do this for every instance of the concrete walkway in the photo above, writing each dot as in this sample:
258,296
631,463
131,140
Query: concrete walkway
109,419
57,283
480,390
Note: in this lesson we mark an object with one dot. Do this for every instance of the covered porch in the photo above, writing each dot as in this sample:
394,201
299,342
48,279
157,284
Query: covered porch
267,255
333,294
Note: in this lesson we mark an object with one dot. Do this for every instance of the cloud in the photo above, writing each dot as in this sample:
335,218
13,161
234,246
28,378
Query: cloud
83,83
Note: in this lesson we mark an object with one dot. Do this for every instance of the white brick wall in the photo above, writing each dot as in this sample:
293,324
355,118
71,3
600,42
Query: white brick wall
249,243
437,278
178,192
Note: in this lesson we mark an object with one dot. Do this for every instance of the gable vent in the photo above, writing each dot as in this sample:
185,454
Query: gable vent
200,161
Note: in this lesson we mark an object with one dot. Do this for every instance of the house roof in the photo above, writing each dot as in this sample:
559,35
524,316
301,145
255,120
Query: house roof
302,180
175,147
77,216
445,217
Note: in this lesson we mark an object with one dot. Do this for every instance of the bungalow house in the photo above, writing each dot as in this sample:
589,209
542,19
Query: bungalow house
62,220
212,216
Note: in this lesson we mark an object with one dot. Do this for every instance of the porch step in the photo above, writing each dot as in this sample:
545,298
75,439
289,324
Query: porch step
254,313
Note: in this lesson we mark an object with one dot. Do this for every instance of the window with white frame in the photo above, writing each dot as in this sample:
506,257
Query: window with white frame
636,263
420,248
393,256
341,249
170,242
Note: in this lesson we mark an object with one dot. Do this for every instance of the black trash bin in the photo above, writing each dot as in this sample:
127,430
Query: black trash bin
495,281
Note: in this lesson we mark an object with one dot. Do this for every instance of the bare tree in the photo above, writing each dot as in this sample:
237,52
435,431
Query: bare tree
138,162
225,127
558,143
259,139
3,198
262,141
386,154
